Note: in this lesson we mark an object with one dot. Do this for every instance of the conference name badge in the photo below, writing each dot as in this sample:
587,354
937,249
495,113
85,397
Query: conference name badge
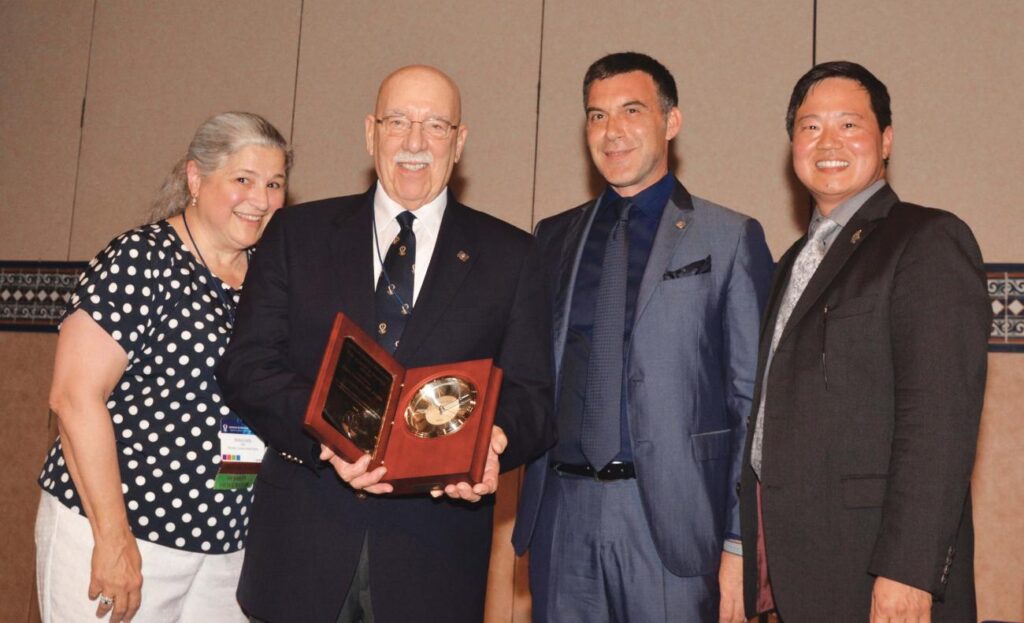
240,454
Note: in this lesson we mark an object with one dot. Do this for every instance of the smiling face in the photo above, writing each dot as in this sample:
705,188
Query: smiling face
628,133
838,148
413,169
235,202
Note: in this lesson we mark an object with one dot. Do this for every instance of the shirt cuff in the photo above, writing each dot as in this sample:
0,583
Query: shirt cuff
733,546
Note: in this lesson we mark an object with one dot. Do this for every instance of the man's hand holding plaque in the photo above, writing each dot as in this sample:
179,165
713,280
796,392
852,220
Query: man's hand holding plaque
489,483
357,475
385,429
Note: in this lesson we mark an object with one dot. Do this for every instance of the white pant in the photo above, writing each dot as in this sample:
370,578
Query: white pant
177,585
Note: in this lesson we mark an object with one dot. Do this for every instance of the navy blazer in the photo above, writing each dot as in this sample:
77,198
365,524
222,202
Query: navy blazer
690,370
483,297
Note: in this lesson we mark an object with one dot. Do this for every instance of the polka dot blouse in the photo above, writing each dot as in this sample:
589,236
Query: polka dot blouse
160,304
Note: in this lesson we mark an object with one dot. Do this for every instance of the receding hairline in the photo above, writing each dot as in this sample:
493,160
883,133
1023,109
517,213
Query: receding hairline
423,70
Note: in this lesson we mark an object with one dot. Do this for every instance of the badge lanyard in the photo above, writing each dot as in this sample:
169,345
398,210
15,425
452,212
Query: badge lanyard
241,451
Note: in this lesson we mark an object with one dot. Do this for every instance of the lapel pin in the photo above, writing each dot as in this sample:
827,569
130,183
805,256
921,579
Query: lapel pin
680,224
856,236
463,256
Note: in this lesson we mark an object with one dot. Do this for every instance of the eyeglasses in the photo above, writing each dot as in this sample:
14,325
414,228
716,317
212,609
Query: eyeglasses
401,126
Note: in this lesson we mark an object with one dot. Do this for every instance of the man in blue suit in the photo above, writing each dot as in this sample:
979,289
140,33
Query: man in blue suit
657,297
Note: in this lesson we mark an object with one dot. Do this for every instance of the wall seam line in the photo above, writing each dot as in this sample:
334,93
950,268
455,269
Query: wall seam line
814,35
536,123
295,85
81,132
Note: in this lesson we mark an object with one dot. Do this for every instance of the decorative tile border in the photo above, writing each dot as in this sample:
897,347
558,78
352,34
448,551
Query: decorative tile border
1006,289
33,294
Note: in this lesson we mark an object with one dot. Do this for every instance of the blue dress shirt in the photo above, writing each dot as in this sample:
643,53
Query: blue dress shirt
643,226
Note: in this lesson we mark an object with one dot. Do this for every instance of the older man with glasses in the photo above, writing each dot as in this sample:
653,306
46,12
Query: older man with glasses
434,282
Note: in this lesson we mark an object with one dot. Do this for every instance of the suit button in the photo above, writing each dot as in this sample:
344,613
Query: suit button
750,421
738,488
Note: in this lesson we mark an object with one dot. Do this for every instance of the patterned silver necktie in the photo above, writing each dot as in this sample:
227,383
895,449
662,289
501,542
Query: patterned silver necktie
600,438
806,263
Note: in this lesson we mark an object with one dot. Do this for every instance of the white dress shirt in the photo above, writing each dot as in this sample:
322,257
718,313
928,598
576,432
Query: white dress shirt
425,227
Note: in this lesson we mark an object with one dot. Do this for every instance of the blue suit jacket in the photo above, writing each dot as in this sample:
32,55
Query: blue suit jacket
691,367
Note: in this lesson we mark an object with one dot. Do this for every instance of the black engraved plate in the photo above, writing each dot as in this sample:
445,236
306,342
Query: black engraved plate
358,397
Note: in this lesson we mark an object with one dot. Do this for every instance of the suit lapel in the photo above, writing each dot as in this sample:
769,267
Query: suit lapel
454,255
352,256
670,234
846,244
568,266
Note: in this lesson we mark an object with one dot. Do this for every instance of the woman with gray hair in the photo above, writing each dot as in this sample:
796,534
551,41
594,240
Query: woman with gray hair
131,489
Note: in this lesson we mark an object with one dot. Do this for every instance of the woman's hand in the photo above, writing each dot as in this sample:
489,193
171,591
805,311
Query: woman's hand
116,576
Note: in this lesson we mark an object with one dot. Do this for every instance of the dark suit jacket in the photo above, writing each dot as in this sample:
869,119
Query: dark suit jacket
690,367
874,398
426,556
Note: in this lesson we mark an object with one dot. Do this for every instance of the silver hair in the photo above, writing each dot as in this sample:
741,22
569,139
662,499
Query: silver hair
216,140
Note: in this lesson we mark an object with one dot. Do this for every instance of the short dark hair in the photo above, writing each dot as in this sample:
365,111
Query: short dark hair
625,62
841,69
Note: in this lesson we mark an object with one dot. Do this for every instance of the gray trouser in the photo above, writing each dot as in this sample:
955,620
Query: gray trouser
592,559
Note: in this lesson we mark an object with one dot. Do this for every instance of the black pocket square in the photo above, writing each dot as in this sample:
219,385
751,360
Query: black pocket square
696,268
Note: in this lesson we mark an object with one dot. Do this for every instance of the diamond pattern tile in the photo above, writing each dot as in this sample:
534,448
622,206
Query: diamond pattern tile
1006,289
33,294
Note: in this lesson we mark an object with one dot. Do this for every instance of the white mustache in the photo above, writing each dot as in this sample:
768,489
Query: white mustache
408,157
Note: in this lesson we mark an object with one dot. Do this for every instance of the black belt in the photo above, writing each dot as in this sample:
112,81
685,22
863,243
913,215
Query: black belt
611,471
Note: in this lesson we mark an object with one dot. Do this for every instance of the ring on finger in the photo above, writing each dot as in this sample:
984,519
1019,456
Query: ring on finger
106,601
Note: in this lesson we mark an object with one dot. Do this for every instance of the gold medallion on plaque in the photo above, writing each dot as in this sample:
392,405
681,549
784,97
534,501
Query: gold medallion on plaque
440,407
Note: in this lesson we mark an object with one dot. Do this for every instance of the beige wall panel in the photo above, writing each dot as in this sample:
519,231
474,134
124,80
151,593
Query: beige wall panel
955,71
27,360
44,56
734,64
490,48
999,493
159,69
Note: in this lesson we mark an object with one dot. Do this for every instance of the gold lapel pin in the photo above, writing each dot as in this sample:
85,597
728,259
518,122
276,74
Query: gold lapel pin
680,224
856,236
463,256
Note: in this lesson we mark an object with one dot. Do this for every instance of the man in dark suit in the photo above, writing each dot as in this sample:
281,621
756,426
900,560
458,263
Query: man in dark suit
436,282
855,490
633,516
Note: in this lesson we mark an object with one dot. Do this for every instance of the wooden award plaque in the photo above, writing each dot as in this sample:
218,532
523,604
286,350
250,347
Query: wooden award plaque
429,426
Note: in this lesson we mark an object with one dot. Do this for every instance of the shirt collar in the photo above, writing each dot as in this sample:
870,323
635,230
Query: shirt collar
428,215
845,210
651,200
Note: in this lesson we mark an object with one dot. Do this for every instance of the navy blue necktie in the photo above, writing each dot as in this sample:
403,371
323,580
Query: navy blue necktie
395,285
602,410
